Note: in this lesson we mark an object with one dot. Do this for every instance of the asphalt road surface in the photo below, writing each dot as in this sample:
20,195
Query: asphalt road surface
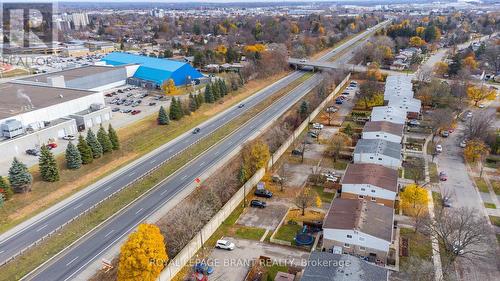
74,260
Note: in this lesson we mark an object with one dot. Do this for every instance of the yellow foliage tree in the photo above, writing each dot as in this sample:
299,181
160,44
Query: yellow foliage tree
475,150
318,201
257,48
440,68
413,196
416,41
420,30
470,62
477,94
294,28
143,256
374,73
169,87
255,156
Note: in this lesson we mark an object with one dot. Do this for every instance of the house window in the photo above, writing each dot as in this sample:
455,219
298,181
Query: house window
363,189
362,239
349,236
374,199
373,190
361,196
377,136
362,248
380,159
347,245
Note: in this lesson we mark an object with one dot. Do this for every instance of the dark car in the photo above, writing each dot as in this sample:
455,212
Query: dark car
263,193
257,204
34,152
152,103
339,101
120,91
134,112
115,109
296,152
241,105
108,95
196,130
203,268
446,202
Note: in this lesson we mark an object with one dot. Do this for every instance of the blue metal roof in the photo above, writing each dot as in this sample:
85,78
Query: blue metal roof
155,69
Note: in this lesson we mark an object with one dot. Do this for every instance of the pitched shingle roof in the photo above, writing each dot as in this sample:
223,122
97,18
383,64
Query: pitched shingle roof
374,174
384,126
361,215
388,148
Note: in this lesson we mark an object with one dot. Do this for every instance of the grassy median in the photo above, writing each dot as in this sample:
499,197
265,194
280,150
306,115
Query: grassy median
53,245
136,139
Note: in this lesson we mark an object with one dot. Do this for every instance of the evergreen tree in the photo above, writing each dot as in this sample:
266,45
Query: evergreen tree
19,177
192,103
216,91
181,110
163,117
113,137
85,151
173,109
5,189
304,109
209,95
104,140
94,144
73,157
48,165
222,87
200,99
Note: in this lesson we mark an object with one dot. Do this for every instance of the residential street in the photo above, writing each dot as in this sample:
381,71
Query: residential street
464,194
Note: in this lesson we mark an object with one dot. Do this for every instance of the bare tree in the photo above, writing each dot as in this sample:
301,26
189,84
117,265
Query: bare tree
416,269
492,54
369,89
461,233
424,74
440,118
479,125
338,143
283,176
305,199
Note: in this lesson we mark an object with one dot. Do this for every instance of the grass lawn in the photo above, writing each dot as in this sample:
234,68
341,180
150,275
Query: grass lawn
490,205
437,199
419,246
340,165
326,197
248,232
415,168
430,147
38,254
433,172
273,270
496,186
287,232
495,220
481,185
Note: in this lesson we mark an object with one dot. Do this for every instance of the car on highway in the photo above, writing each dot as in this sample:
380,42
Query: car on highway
257,204
443,176
196,130
225,245
69,137
135,112
439,148
241,105
33,151
263,193
445,133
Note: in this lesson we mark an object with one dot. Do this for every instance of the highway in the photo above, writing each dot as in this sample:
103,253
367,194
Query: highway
74,260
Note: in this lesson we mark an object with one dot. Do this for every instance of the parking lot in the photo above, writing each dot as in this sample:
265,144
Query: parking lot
267,218
234,265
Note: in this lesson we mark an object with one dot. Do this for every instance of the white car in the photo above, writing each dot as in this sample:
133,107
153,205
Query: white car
469,114
481,105
463,144
318,126
439,148
225,245
331,179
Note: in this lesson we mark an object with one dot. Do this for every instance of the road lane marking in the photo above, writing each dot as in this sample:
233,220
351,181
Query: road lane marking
77,206
107,188
184,177
38,230
140,210
109,233
202,163
152,161
164,191
1,252
71,261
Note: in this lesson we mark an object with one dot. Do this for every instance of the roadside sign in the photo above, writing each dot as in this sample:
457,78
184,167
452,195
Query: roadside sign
106,265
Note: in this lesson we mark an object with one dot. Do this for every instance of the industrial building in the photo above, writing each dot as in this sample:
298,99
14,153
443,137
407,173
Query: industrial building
152,72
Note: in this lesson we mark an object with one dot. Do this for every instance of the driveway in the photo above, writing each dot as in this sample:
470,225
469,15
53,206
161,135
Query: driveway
234,265
464,194
267,218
